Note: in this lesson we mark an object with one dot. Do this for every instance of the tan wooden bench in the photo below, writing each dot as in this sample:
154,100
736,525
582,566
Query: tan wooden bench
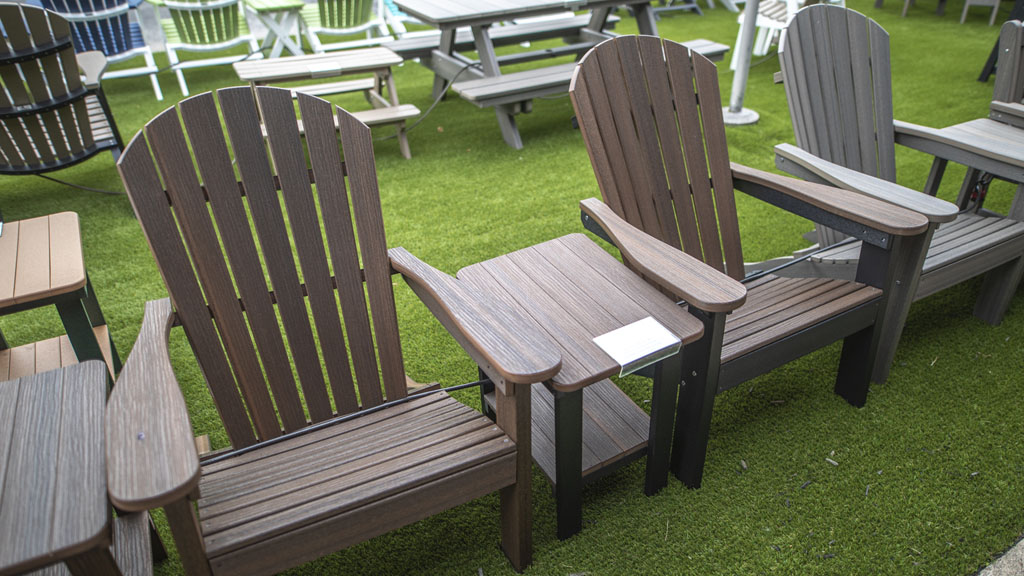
376,61
539,82
421,46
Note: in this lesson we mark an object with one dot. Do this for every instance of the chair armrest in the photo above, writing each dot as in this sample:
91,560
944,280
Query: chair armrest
91,64
672,269
870,189
492,334
1011,113
151,454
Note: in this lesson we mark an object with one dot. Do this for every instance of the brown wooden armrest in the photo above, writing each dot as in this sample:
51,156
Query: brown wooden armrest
1011,113
877,203
491,333
674,270
91,64
151,456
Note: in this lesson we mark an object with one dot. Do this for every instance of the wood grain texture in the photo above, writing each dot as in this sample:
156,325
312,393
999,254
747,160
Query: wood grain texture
678,272
1009,86
151,458
518,351
892,195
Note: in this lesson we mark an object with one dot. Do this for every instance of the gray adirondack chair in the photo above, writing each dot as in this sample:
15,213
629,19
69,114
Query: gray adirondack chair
651,117
52,108
835,67
322,461
1008,96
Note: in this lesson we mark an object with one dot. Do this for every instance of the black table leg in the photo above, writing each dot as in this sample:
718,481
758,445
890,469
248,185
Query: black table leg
667,376
569,462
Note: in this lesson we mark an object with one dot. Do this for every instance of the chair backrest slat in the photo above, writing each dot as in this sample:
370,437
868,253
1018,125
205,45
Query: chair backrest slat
217,258
207,25
835,66
667,173
342,14
211,154
327,165
174,160
158,223
102,25
243,124
362,176
290,160
1010,68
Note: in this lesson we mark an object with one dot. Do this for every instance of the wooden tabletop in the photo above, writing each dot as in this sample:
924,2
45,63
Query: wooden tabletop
316,65
573,290
53,489
263,6
39,258
445,13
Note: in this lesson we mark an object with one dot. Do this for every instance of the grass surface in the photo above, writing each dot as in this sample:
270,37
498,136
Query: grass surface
930,477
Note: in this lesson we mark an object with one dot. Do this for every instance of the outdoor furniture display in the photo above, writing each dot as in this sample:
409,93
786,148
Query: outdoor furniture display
280,17
53,486
993,3
511,94
584,426
52,117
344,18
200,26
840,102
375,61
41,264
641,104
112,27
291,490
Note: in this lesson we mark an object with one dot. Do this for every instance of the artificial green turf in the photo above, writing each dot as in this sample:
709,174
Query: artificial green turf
938,445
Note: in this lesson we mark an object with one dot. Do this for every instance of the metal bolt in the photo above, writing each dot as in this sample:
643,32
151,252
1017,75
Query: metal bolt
694,373
141,436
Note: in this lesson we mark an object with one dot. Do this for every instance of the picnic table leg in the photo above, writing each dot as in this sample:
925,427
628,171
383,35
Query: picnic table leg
644,15
489,63
569,462
403,140
446,46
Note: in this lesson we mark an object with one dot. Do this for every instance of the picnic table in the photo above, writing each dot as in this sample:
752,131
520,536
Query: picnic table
481,81
280,17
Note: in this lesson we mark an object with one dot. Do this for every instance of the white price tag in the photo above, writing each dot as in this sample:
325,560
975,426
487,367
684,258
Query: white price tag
639,344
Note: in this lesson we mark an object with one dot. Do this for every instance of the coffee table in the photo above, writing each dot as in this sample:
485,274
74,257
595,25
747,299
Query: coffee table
584,426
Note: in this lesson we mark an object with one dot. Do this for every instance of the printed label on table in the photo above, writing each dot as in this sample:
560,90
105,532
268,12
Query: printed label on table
322,69
638,345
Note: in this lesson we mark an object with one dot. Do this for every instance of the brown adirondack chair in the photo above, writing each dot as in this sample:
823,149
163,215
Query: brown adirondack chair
650,114
835,67
52,117
326,464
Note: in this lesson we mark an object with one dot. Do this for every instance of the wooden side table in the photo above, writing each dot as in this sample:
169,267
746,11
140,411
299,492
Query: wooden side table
583,425
41,264
53,482
375,61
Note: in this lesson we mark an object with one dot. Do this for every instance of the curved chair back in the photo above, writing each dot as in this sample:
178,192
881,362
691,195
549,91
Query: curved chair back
99,24
1010,69
51,119
659,153
226,305
205,23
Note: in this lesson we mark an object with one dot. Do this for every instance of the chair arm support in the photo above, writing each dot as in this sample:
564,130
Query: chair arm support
1011,113
870,189
92,64
492,334
151,454
672,269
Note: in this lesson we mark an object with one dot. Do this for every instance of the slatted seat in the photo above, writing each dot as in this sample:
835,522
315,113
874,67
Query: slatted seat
840,102
51,118
650,113
328,446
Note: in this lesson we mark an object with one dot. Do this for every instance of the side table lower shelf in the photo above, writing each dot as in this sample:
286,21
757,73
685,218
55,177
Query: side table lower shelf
614,429
50,354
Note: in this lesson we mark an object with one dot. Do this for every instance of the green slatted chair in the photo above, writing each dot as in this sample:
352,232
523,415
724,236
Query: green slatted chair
199,26
344,18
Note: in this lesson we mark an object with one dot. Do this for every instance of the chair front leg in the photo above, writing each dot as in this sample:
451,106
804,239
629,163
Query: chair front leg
181,515
512,404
